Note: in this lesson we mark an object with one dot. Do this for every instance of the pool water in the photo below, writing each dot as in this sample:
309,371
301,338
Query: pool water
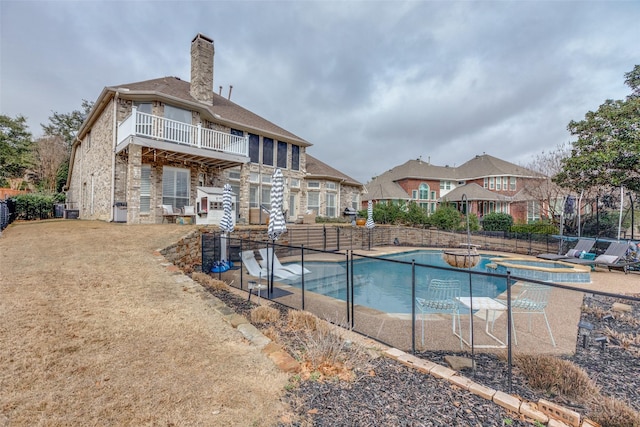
386,286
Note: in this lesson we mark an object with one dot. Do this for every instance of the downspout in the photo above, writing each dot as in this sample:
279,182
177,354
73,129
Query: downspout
113,155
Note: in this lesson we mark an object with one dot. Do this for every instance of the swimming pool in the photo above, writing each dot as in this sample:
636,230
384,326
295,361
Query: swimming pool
386,286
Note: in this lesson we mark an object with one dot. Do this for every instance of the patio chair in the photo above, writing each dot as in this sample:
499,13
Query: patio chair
533,299
253,268
583,245
169,214
441,298
268,256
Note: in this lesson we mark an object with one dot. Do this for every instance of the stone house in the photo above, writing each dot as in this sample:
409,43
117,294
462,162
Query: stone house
153,143
489,185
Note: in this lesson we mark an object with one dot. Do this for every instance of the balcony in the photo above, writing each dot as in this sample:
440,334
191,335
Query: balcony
182,141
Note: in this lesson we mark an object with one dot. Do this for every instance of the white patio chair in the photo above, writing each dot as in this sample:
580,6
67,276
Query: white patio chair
533,299
441,298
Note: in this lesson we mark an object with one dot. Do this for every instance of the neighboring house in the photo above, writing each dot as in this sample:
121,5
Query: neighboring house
328,191
488,183
154,142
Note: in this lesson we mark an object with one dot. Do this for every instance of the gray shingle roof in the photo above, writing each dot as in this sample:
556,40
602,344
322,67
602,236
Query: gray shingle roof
228,111
473,192
318,169
386,187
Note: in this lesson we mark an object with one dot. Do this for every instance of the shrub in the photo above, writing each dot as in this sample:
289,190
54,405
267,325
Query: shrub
302,320
209,282
556,376
36,205
446,217
611,412
497,221
538,227
265,314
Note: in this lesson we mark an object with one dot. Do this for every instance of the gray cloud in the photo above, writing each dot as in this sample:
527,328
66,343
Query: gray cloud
370,84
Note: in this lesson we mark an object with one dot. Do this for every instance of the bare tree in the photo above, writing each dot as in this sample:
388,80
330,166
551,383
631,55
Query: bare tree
51,153
547,192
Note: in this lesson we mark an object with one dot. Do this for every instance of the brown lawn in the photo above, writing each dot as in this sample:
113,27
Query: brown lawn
94,330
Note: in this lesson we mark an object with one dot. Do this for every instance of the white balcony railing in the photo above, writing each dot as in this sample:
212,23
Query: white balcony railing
155,127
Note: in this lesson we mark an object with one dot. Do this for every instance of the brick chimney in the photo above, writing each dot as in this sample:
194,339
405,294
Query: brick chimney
202,69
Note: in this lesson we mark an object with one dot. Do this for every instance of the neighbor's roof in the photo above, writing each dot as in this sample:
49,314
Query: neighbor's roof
319,170
386,187
473,192
486,165
175,91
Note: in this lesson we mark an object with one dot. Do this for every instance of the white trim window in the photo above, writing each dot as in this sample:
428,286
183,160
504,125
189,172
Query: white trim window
313,184
330,185
331,205
175,187
533,211
145,189
295,183
313,201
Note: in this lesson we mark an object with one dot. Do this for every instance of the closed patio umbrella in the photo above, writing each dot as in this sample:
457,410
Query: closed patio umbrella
226,223
370,224
277,224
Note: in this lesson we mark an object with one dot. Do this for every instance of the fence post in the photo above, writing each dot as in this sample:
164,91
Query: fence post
302,282
509,314
413,306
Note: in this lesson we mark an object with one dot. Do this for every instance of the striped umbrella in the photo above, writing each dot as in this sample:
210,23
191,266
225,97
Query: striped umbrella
370,224
226,224
277,224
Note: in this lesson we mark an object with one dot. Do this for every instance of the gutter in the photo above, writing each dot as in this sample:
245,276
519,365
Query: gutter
113,154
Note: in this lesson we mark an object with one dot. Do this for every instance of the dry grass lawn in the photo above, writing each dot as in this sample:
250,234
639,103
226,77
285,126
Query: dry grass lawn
95,331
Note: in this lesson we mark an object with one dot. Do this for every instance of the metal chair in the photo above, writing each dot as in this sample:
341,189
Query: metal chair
532,300
441,298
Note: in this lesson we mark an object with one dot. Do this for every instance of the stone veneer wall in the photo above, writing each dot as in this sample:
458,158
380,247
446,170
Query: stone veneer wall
90,188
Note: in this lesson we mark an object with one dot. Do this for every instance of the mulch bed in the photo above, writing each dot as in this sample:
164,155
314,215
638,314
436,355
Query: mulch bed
386,393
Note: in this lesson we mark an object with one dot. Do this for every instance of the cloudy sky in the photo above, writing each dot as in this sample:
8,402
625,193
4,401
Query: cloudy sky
371,84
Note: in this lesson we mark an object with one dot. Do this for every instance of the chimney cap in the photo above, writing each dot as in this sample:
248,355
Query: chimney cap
202,36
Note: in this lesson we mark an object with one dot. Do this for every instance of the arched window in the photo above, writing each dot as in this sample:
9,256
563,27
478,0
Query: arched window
424,191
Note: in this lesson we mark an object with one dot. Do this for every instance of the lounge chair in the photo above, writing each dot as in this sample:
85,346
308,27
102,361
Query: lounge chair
613,257
583,245
253,268
268,256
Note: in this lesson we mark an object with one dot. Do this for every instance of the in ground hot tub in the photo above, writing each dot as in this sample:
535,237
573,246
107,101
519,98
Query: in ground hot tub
546,271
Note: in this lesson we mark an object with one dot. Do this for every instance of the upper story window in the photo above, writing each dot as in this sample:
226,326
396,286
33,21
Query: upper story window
491,183
295,183
266,178
144,107
282,154
254,177
295,157
330,185
499,183
414,194
486,182
267,151
313,184
254,148
237,132
445,185
512,183
177,114
424,191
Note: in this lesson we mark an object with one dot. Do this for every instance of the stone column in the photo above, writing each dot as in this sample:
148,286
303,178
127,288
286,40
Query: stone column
134,173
